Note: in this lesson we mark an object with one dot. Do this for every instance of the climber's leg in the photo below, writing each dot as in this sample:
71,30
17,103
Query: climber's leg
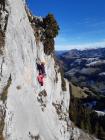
43,69
41,83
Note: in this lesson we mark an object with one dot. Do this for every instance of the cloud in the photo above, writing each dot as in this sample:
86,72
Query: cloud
91,22
66,38
97,24
100,44
60,39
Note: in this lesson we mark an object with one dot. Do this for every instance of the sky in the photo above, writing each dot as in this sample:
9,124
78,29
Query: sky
81,22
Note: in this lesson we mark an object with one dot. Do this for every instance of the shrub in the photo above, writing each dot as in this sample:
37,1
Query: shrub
4,20
63,82
49,46
45,30
51,29
1,124
87,119
3,97
4,94
50,25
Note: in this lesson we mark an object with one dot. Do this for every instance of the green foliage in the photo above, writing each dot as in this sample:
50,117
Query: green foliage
48,46
87,119
45,30
63,83
51,29
1,127
3,97
50,25
2,30
4,94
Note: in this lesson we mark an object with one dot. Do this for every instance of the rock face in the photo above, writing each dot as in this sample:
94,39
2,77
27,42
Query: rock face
31,110
27,110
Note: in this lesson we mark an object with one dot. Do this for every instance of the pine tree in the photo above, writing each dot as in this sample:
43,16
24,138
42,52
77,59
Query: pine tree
51,29
50,25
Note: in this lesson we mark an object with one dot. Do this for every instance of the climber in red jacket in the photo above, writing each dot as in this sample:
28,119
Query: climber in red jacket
40,79
41,67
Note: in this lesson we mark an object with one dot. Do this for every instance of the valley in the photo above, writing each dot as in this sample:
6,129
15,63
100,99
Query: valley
85,71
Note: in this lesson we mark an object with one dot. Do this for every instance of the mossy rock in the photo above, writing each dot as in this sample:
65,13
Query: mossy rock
4,94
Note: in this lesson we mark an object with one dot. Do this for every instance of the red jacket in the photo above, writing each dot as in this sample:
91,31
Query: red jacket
40,78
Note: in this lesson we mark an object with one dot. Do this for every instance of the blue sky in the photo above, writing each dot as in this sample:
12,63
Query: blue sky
82,22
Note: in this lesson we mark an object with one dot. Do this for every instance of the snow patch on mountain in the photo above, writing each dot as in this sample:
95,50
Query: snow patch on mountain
101,113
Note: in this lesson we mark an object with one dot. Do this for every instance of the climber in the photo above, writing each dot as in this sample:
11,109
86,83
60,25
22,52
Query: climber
40,78
41,67
38,63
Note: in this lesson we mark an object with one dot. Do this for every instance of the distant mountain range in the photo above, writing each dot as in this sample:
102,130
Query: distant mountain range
85,68
99,52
